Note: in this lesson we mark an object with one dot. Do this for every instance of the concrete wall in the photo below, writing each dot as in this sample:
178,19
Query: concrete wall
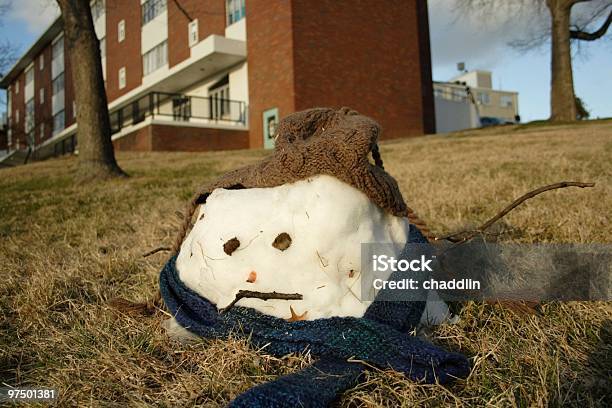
454,115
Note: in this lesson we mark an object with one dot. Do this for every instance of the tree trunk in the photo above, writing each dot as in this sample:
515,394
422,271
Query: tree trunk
96,154
562,98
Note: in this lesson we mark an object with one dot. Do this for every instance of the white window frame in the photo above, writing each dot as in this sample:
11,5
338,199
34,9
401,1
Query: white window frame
98,9
192,32
17,87
58,129
155,58
121,31
41,96
122,78
484,98
235,11
150,9
102,47
506,101
41,62
220,100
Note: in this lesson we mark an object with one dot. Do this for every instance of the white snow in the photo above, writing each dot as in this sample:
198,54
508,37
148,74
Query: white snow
327,221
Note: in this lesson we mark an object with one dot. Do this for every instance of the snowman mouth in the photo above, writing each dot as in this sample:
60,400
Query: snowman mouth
250,294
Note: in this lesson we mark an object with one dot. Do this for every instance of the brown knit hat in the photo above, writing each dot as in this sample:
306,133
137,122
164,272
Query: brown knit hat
318,141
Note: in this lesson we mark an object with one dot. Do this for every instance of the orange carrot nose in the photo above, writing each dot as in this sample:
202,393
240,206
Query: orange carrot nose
252,277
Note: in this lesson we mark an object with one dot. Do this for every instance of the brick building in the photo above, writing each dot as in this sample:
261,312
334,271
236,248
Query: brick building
218,74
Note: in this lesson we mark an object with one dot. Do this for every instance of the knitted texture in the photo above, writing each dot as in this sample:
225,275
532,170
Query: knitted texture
379,338
313,142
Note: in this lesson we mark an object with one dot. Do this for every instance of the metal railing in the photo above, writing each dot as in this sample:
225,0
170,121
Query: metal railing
179,108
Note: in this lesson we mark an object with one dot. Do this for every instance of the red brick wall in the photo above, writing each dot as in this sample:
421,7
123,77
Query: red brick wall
42,79
365,56
18,138
270,58
429,112
139,141
211,20
182,138
126,53
372,56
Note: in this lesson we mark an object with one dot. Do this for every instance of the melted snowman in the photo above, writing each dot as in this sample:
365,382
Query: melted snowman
304,237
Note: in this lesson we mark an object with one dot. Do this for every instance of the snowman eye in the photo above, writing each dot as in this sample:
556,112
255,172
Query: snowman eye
230,246
282,241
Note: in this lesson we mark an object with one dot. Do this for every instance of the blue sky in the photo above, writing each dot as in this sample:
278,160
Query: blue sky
480,46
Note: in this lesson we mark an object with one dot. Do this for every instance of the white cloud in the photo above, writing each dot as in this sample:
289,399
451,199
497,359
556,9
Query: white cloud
35,14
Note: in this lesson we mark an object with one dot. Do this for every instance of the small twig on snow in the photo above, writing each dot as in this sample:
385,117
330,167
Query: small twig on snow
261,295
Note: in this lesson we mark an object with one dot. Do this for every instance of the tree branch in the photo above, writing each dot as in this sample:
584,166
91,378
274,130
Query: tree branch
584,36
261,295
463,236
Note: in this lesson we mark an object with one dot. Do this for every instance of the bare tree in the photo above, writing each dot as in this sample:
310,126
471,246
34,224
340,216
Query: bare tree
8,53
96,154
562,27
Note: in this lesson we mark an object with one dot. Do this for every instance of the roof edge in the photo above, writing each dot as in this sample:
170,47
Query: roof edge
46,37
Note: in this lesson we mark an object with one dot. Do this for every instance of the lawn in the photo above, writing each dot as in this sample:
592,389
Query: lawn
67,249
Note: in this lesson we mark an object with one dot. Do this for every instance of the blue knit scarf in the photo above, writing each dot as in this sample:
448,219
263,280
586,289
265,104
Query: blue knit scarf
379,338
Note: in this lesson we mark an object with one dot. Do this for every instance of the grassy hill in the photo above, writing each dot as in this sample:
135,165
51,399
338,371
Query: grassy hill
66,249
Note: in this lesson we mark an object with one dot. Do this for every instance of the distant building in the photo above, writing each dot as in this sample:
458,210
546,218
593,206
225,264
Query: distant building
469,101
219,74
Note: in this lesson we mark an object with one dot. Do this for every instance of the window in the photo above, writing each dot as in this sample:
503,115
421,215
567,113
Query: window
41,131
155,58
97,9
29,76
41,62
73,109
235,10
152,9
121,31
193,32
58,84
29,115
218,95
58,122
58,48
102,47
17,87
121,77
41,95
484,98
506,101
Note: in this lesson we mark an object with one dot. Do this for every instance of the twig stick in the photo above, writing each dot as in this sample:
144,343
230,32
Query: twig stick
467,235
261,295
156,250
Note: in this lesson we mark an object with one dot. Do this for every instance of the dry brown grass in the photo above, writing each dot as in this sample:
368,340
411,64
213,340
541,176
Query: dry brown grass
67,249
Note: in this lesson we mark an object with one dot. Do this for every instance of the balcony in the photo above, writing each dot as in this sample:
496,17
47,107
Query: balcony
180,108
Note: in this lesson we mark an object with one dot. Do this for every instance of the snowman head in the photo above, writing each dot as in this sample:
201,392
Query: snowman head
302,237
